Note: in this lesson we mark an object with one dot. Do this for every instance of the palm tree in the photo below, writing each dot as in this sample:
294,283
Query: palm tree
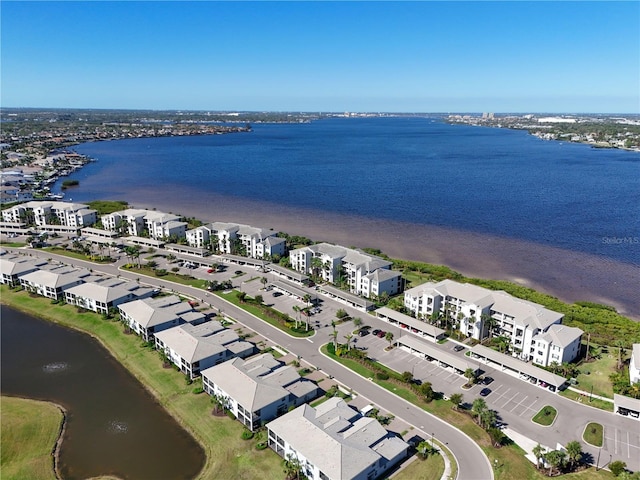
357,321
488,418
538,452
470,374
348,338
389,338
478,406
264,281
555,458
292,467
490,322
296,309
456,399
316,266
334,334
621,344
574,453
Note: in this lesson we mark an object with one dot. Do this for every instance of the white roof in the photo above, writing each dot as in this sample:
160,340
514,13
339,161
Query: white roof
195,343
257,382
561,335
151,312
336,439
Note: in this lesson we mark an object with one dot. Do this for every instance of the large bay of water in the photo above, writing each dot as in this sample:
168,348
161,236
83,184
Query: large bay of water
496,203
114,426
418,170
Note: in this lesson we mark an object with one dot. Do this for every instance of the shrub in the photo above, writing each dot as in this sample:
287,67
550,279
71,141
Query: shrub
247,434
198,390
617,467
382,376
261,446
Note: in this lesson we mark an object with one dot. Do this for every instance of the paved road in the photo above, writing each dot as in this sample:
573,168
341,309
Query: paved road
472,462
515,400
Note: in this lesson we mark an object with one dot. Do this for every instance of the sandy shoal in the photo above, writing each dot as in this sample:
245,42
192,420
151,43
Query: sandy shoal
570,276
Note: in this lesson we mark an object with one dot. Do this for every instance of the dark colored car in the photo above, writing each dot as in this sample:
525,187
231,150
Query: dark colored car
277,294
487,380
376,332
484,392
458,348
363,332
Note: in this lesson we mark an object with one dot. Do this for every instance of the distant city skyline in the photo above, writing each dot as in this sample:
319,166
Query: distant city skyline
524,57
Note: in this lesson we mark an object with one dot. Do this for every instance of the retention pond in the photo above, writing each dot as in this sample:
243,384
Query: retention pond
114,426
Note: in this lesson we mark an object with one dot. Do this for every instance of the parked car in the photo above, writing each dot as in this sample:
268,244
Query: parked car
277,294
458,348
484,392
376,332
486,380
381,333
363,332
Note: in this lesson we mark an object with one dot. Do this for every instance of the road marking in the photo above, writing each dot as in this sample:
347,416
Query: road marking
309,340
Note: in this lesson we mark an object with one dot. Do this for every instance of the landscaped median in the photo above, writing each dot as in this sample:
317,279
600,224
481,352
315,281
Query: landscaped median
266,314
509,457
228,456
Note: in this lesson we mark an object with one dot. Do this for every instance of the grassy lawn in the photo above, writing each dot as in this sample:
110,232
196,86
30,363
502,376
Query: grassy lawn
545,416
169,277
593,402
593,434
12,244
429,469
228,456
595,375
78,255
511,458
232,296
29,433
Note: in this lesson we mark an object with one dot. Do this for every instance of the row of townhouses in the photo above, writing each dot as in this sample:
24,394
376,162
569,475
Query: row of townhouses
536,333
366,275
332,441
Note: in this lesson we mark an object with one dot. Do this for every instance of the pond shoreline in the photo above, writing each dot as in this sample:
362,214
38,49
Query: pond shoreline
125,364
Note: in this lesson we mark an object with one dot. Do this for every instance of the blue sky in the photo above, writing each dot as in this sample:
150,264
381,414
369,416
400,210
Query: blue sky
323,56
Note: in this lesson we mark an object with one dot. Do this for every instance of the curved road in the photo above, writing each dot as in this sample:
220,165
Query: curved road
472,463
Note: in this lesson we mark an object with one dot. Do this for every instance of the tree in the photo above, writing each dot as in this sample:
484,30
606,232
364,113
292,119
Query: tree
389,338
617,467
348,338
555,459
334,335
407,377
241,297
316,266
357,321
427,390
488,418
296,309
538,452
478,406
307,300
292,467
470,374
341,313
456,400
264,281
574,453
259,299
621,344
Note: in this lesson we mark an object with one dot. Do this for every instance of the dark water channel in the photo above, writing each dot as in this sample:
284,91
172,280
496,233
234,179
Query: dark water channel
114,426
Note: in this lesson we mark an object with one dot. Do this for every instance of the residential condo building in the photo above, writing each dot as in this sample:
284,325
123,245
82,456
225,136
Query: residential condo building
258,389
335,442
479,312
